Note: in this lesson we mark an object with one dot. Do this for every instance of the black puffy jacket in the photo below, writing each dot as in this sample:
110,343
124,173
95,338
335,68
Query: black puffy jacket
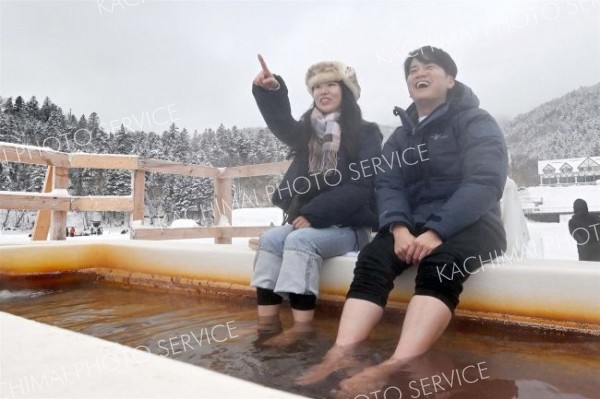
348,198
452,168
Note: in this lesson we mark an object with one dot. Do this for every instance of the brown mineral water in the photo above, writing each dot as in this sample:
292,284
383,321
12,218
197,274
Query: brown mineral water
484,360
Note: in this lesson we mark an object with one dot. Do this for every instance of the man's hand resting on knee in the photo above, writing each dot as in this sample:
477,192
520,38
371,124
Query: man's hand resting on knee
422,246
403,240
411,249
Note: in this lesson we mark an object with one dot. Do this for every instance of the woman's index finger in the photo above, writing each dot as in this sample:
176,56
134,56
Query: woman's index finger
264,66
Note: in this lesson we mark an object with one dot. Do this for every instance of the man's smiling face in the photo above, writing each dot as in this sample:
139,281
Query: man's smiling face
428,83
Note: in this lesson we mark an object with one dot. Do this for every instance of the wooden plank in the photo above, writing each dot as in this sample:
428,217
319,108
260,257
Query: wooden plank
42,219
103,161
138,180
222,203
243,231
32,155
34,201
24,200
59,217
157,233
157,165
114,203
263,169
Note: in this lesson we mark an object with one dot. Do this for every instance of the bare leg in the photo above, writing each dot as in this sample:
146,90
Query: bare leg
425,321
303,316
303,323
268,310
358,319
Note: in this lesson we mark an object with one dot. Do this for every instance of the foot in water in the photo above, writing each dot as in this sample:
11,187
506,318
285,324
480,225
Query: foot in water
268,324
395,373
265,325
371,379
337,358
291,335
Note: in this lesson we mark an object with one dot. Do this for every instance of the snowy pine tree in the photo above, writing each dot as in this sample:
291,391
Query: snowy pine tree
32,107
8,106
565,127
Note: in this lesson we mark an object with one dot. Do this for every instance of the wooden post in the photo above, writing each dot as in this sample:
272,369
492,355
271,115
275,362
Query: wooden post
42,219
59,218
222,205
138,180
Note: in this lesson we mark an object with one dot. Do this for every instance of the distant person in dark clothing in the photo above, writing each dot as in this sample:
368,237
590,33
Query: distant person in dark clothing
585,229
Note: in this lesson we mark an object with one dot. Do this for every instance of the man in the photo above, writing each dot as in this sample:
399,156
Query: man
585,229
438,212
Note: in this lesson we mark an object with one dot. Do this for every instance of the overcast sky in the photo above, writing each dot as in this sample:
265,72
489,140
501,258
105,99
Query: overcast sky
192,62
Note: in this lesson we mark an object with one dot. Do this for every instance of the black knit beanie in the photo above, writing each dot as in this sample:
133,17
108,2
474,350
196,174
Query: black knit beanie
580,206
431,55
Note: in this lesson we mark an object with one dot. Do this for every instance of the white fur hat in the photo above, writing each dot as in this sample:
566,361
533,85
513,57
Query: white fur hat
332,71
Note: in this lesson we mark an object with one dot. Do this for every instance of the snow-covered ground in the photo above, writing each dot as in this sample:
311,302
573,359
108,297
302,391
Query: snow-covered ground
557,243
241,217
560,199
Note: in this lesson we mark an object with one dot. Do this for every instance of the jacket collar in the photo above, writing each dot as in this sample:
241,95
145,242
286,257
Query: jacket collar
459,98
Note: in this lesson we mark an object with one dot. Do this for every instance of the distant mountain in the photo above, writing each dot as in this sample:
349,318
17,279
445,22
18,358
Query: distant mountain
565,127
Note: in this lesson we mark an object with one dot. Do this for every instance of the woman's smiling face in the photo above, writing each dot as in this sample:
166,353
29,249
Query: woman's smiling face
327,96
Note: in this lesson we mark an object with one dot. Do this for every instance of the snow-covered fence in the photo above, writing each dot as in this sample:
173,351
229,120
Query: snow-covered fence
54,201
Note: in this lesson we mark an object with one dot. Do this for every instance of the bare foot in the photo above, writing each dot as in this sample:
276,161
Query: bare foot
372,379
394,374
291,335
265,324
337,358
268,324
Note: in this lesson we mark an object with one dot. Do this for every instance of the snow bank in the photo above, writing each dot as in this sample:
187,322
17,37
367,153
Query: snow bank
184,223
560,199
557,243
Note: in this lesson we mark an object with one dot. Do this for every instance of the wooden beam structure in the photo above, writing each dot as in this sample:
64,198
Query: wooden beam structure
64,203
58,223
138,183
32,155
157,233
42,219
222,206
103,161
34,201
262,169
161,166
54,202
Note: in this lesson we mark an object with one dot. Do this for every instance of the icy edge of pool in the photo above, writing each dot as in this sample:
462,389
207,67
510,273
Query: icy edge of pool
544,293
39,360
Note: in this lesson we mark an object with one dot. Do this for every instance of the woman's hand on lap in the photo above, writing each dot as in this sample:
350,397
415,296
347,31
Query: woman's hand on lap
300,222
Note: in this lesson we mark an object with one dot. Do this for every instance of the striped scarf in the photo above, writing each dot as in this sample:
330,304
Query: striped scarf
325,143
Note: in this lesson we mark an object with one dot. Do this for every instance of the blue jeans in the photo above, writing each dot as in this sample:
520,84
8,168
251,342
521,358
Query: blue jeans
289,261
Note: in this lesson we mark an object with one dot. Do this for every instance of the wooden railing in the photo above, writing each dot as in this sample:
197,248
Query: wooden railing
54,202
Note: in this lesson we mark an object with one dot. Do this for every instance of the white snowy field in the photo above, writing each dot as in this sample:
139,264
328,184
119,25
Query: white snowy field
557,243
241,217
560,199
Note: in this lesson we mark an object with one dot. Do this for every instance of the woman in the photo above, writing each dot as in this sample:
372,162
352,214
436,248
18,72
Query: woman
330,206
